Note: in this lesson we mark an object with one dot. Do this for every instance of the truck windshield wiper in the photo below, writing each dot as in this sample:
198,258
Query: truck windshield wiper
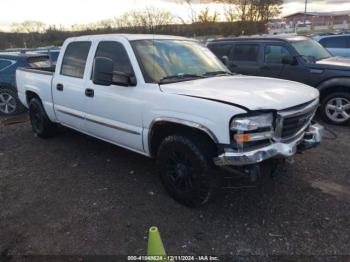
179,77
216,73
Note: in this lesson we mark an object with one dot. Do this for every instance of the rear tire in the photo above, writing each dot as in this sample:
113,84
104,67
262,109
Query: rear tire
9,102
185,167
335,108
41,124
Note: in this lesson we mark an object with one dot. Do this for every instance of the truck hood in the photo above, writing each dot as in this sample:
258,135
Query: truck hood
335,62
252,93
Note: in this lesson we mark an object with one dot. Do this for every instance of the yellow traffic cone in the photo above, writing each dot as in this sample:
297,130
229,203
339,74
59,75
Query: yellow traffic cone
155,245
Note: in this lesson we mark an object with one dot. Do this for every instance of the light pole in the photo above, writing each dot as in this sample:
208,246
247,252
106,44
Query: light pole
305,12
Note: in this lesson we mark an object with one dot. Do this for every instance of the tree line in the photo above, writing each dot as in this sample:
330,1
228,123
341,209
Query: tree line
238,17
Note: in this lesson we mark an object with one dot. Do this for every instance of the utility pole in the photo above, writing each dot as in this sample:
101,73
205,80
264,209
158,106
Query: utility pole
305,12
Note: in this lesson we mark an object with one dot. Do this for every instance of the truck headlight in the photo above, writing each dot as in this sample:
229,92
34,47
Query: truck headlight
252,128
251,123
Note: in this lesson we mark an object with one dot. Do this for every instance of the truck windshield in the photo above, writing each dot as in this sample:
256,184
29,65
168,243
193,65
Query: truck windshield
166,61
310,50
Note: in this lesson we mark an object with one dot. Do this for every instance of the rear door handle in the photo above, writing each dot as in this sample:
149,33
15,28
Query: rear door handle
59,87
89,92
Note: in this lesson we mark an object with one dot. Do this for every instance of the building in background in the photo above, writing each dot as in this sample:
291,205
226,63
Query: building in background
319,20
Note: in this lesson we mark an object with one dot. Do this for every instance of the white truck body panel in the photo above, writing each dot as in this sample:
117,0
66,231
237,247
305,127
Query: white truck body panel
255,93
124,115
38,83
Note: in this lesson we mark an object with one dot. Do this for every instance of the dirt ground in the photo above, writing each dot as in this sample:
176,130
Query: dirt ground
75,195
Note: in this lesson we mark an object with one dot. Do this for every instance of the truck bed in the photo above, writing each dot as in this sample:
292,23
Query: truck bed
44,70
36,81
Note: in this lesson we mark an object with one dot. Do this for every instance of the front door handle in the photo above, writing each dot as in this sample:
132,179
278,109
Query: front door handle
89,92
59,87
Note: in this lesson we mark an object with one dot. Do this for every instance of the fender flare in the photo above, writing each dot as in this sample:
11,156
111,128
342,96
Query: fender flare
334,82
179,121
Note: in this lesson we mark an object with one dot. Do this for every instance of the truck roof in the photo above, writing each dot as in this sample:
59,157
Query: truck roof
129,37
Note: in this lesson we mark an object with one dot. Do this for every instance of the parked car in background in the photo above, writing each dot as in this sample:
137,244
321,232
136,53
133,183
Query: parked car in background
171,99
9,62
293,58
336,44
51,51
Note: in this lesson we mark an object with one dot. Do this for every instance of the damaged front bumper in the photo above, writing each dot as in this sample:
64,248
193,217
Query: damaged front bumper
311,138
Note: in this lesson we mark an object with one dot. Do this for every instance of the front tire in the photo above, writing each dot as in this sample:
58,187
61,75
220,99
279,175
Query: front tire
41,124
185,168
335,108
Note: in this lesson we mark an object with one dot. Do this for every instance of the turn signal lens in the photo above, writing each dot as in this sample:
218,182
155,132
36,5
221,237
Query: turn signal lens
242,138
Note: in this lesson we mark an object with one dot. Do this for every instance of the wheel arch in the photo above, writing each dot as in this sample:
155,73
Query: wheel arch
164,126
30,95
338,84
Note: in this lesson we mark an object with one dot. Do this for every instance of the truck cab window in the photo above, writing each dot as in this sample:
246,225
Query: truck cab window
275,53
117,53
74,59
245,52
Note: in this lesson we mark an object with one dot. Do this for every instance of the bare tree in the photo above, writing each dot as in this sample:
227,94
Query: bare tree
28,27
205,16
253,10
149,18
190,5
230,13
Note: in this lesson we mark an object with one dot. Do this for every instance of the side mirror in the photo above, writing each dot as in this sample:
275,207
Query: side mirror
225,60
289,60
102,71
123,79
104,74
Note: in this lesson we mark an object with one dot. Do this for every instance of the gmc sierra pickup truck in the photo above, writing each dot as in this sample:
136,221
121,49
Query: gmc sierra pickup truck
171,99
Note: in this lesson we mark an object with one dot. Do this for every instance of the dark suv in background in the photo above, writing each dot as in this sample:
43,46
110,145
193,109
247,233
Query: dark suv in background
293,58
9,62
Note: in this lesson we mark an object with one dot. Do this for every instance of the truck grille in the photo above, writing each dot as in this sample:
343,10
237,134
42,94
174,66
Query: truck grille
294,120
292,125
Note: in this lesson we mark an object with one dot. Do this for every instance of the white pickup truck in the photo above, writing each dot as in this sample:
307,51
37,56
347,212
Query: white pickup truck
171,99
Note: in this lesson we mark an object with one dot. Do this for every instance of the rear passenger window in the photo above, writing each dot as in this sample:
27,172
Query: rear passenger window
275,53
334,42
74,59
4,64
117,53
245,52
220,50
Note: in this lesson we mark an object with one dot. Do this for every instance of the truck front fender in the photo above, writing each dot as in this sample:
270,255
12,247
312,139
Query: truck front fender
174,123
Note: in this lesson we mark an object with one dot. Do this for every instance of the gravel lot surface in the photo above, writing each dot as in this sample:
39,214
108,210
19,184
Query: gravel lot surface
75,195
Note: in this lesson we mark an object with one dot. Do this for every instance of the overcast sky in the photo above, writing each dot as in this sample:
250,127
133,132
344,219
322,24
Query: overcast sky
67,12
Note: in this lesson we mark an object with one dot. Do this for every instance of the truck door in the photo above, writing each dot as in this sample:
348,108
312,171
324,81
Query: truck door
68,86
114,113
244,58
272,65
